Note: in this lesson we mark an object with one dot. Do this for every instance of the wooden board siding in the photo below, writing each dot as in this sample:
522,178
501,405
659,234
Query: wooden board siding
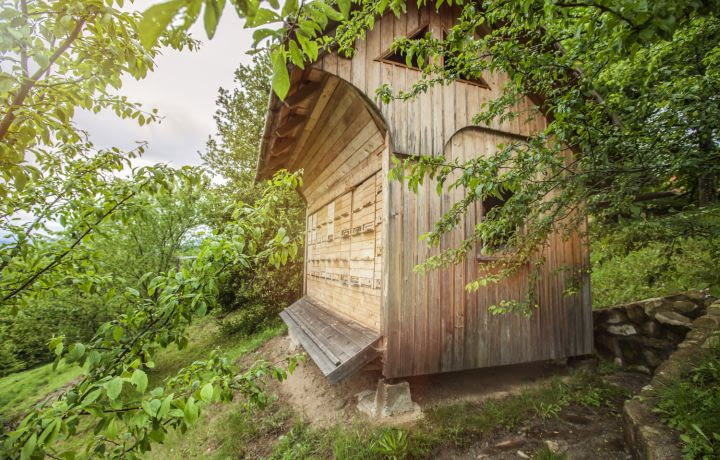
422,126
362,239
434,325
344,198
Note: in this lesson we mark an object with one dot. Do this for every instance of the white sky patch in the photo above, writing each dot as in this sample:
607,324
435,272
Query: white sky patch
183,88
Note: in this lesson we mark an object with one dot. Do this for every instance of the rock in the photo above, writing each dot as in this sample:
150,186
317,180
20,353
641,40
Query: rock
683,306
522,454
510,443
707,322
652,342
673,319
610,344
714,309
695,334
388,400
340,404
640,369
650,305
577,420
616,316
552,446
622,329
688,344
652,358
651,328
698,295
636,313
366,403
396,399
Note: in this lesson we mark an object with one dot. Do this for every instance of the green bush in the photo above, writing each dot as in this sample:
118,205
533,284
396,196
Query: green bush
24,336
249,299
247,321
691,405
637,259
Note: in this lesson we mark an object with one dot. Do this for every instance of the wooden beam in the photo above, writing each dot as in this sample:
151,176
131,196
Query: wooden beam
291,125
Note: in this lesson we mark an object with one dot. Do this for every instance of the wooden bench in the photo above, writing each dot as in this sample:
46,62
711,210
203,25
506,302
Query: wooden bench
337,345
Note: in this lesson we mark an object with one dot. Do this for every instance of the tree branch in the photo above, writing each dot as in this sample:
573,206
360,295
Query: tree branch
30,82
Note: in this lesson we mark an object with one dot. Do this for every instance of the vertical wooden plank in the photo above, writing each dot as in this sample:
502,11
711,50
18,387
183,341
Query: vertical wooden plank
392,264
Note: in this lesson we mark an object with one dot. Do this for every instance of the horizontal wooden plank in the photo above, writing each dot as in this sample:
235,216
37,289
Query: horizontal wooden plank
337,345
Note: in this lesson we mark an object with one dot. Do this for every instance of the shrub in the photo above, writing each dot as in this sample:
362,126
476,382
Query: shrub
250,298
25,335
637,259
691,404
246,321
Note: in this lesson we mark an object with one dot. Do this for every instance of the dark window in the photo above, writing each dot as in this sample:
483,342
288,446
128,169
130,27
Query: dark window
489,204
461,75
398,57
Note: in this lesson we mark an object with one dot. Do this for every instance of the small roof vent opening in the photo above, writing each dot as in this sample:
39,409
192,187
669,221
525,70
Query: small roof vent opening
462,76
399,57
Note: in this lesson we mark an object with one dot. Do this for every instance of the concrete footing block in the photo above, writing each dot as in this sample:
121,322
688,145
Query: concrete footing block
389,401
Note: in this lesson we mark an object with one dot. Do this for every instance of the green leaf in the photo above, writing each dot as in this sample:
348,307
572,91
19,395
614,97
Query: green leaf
113,388
206,393
344,6
140,380
213,11
155,21
308,46
296,56
191,410
29,447
289,8
118,333
281,78
76,352
165,406
261,34
331,12
261,17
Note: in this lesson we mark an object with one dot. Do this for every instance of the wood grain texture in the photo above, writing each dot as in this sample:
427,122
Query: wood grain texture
434,325
339,347
362,240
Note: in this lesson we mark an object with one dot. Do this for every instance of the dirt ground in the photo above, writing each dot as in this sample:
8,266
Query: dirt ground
579,432
323,404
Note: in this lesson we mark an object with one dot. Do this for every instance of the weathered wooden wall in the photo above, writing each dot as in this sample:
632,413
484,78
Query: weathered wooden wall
422,126
432,324
341,159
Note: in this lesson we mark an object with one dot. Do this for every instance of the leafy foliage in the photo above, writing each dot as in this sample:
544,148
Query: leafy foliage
250,296
117,356
642,258
691,405
64,208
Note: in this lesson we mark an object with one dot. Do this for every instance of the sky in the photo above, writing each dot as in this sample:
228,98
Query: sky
183,88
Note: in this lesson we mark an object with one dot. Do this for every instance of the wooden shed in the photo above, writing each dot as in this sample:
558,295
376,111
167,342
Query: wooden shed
362,300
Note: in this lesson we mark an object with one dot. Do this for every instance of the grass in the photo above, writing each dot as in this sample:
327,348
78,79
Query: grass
20,391
235,430
205,336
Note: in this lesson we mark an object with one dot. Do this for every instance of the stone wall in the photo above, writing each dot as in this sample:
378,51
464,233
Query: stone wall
642,335
648,437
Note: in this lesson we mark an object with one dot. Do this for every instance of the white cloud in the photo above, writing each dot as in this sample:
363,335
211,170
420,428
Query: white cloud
183,88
